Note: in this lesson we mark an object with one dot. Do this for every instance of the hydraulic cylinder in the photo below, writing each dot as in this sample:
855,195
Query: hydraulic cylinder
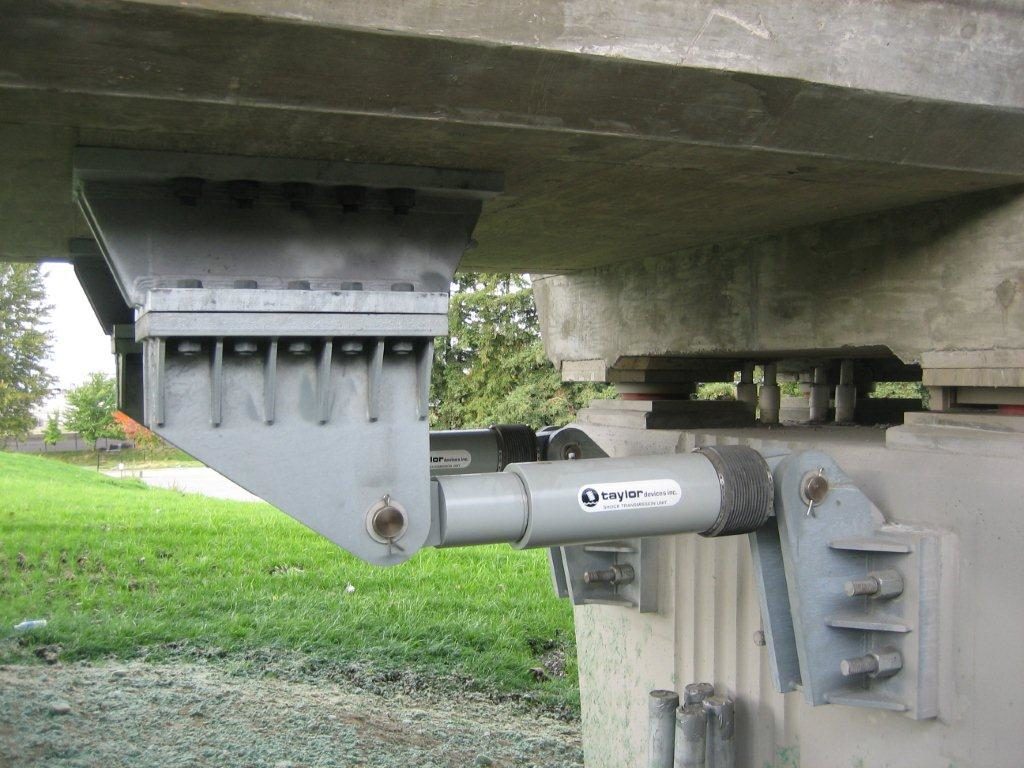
714,491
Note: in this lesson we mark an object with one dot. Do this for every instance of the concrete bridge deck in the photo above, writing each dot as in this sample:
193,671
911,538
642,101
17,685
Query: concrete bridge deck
625,130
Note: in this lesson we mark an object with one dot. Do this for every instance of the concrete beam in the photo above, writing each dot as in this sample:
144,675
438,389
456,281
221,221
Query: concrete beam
888,45
611,151
936,277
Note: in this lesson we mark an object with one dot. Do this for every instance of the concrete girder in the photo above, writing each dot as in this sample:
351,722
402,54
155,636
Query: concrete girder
934,278
612,152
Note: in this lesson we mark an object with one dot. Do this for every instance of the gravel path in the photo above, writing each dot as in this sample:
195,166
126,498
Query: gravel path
149,715
188,480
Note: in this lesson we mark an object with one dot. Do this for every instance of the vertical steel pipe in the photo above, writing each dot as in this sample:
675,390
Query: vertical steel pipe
721,746
691,726
661,709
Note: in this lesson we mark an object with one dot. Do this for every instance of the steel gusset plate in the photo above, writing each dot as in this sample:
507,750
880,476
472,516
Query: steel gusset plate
287,311
804,561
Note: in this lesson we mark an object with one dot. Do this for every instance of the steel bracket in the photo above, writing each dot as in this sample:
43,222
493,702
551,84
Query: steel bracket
286,312
571,564
813,628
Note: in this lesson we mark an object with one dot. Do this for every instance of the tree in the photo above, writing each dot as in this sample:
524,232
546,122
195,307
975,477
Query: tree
91,408
138,434
52,434
24,345
492,368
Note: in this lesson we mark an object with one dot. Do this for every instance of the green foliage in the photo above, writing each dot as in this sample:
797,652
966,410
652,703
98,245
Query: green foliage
24,382
789,389
899,389
91,408
716,390
52,434
492,368
119,569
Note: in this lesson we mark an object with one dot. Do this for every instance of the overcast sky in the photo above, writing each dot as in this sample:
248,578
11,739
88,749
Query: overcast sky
79,346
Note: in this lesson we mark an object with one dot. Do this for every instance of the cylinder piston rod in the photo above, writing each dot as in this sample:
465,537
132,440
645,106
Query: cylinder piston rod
714,491
466,451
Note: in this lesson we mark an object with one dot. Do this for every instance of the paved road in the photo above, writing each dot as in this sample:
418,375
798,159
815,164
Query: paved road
201,480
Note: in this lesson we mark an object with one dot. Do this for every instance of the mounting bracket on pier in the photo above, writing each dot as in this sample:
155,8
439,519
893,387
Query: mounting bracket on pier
855,610
623,572
286,312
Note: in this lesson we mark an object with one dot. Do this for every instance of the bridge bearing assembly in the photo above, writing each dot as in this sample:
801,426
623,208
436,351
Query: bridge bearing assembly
286,311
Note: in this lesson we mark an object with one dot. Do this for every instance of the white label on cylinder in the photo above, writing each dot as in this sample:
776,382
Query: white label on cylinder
642,494
450,459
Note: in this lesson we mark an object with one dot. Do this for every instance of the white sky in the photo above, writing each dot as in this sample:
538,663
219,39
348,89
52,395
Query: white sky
79,345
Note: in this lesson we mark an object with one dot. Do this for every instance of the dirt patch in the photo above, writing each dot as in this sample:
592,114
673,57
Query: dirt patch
147,714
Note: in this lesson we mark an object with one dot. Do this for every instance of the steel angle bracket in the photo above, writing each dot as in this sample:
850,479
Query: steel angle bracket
627,568
878,651
286,311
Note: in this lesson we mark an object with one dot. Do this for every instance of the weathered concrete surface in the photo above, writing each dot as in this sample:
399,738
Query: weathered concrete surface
708,613
624,132
894,45
939,276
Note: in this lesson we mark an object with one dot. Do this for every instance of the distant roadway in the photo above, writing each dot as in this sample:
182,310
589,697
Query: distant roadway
202,480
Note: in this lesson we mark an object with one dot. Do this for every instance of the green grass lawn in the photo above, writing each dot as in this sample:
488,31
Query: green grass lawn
123,570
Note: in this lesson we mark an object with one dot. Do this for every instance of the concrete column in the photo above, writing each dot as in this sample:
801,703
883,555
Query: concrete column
746,390
846,394
818,402
770,397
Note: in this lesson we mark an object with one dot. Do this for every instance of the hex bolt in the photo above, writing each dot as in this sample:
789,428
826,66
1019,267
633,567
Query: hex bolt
861,665
868,586
759,638
189,348
244,347
883,663
402,347
299,347
351,347
877,584
617,574
572,452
